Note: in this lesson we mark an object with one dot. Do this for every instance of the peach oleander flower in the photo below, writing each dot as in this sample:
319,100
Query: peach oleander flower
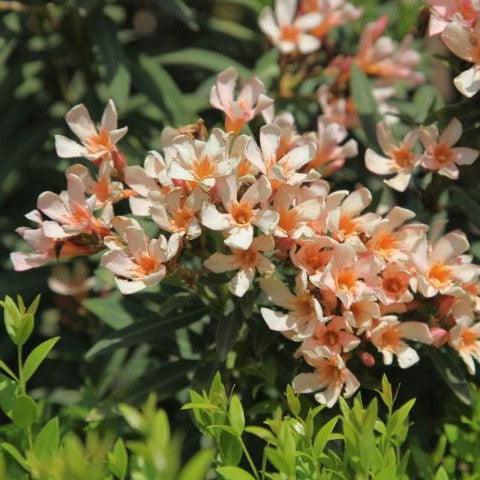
464,41
250,101
178,212
335,13
72,214
75,282
362,314
334,334
400,160
148,182
199,163
304,310
96,145
241,215
440,154
389,335
437,265
329,378
284,169
442,12
331,154
246,262
141,263
288,31
464,337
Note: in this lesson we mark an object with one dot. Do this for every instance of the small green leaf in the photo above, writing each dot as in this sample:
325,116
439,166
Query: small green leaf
236,415
24,412
293,401
226,332
7,369
12,450
324,436
8,394
178,9
441,474
47,440
37,356
118,460
198,466
234,473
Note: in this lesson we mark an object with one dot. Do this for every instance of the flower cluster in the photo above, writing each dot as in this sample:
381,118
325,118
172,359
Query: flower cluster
367,286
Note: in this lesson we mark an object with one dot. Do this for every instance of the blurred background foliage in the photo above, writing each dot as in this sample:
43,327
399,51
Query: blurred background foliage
158,59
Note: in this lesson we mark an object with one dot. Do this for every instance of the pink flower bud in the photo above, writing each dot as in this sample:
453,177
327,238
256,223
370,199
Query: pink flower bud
367,358
439,336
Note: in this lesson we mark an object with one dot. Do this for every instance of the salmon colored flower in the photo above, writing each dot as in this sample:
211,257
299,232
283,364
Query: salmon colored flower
75,282
442,12
440,154
335,334
241,215
141,263
250,102
304,310
329,379
287,31
178,212
362,314
464,42
400,160
246,262
328,139
96,145
438,264
464,337
389,338
199,163
285,169
149,183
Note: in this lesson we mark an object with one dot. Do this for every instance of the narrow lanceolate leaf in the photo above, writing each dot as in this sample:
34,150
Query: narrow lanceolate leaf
227,332
178,10
365,103
118,460
451,372
197,57
37,356
236,416
47,441
144,331
7,369
154,81
198,466
12,450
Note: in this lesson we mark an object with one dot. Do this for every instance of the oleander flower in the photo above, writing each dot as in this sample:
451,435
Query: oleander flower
246,262
401,158
440,154
288,31
442,12
95,144
389,338
464,337
250,101
75,282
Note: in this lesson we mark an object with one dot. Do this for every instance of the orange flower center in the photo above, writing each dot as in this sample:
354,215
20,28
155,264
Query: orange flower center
347,225
316,259
147,264
101,189
290,33
329,338
346,279
393,285
443,154
302,306
182,218
384,243
100,142
241,212
203,168
390,338
439,274
469,338
246,258
288,220
78,216
403,157
329,372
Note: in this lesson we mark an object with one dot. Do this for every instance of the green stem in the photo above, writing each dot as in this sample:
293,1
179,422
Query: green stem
21,382
249,459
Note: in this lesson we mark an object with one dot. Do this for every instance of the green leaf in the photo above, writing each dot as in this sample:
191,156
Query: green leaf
441,474
156,83
12,450
118,460
7,369
47,441
110,310
226,332
446,363
234,473
236,416
463,199
324,435
178,9
144,331
24,412
197,57
365,104
8,394
37,356
198,466
293,401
